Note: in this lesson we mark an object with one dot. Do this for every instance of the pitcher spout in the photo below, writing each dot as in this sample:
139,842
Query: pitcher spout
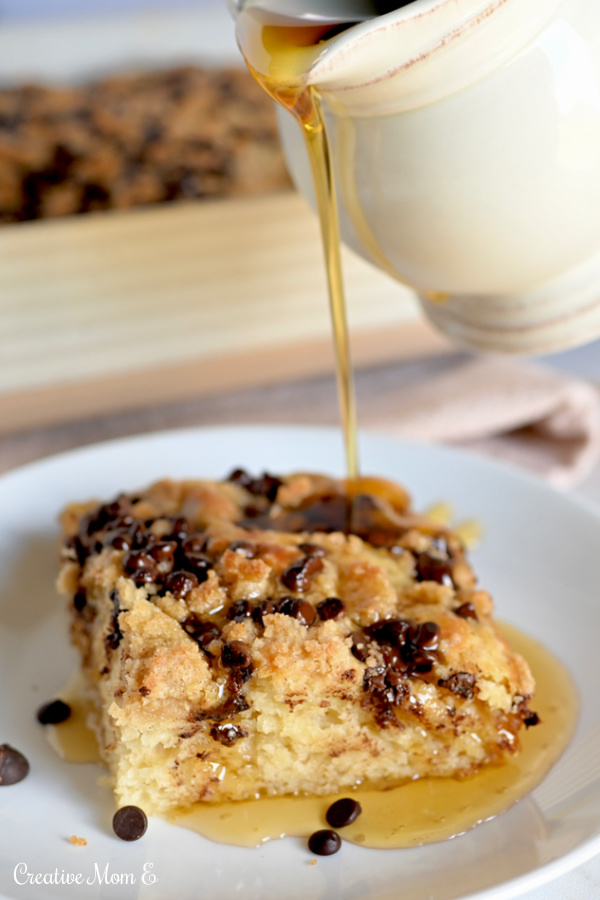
424,51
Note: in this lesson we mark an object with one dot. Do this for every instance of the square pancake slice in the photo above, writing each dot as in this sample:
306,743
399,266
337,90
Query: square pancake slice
283,635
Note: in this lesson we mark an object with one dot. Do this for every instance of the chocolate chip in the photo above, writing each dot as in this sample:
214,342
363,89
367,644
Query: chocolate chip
180,583
243,548
466,611
107,514
75,544
180,530
391,631
426,635
331,608
360,644
139,537
130,823
297,577
461,683
240,477
197,564
13,765
265,486
202,632
440,545
298,609
324,842
430,567
80,600
266,608
238,678
196,543
374,679
343,812
252,512
53,713
311,549
407,648
286,606
395,678
422,663
227,734
118,541
115,635
392,656
531,719
163,551
305,612
230,707
236,654
239,610
140,566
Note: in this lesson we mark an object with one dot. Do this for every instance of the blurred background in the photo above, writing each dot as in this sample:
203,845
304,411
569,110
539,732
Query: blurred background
22,9
153,251
71,40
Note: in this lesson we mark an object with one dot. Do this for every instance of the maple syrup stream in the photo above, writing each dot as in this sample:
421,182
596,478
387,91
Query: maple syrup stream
279,55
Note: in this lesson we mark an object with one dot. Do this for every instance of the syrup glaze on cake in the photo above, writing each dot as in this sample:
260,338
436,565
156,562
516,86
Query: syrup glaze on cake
293,635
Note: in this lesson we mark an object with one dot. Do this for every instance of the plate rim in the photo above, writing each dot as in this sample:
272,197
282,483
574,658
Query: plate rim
514,887
512,470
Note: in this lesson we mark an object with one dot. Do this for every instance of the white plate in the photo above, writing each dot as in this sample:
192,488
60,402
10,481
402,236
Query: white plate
540,558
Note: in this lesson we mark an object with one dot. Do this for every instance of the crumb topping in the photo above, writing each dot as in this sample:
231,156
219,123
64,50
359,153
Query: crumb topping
257,565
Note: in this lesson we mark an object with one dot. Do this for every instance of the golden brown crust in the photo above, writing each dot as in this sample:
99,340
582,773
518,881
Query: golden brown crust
239,639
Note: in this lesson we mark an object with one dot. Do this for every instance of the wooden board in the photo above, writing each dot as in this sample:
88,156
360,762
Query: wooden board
112,311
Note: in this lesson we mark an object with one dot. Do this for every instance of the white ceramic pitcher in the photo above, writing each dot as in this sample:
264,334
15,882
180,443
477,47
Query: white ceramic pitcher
465,136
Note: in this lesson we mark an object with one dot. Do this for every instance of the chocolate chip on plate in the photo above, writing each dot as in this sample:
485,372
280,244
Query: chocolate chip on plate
324,842
13,765
53,713
130,823
343,812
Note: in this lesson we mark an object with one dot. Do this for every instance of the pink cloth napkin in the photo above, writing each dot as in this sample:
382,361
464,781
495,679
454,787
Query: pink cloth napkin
523,413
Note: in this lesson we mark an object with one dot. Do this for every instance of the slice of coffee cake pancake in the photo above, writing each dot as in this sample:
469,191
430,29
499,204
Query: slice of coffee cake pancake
283,635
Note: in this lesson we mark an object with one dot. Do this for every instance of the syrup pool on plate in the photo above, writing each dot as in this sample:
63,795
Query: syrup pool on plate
417,812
